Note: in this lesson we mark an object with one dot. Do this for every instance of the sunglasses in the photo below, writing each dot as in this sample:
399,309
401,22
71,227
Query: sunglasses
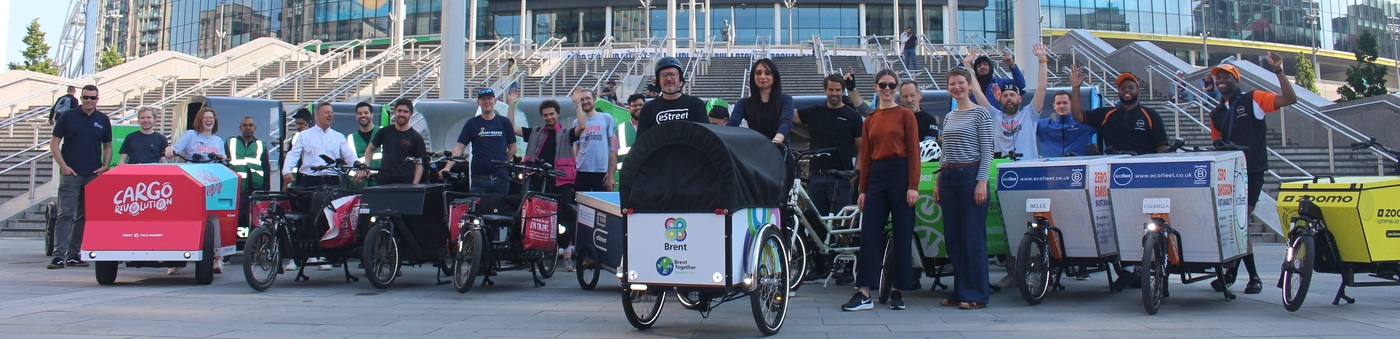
889,85
85,97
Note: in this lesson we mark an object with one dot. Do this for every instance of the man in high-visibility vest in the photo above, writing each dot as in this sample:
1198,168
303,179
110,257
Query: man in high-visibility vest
362,138
248,157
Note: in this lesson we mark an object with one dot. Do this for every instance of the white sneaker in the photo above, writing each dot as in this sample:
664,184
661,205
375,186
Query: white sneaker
172,271
290,265
323,267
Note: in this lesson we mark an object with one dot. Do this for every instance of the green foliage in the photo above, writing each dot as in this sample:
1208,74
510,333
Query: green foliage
1306,76
109,58
1365,79
35,52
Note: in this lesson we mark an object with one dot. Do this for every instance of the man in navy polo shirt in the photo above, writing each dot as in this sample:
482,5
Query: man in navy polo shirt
492,137
81,144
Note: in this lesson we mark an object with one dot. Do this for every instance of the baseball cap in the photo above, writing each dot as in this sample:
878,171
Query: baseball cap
485,92
1011,87
1125,77
1227,68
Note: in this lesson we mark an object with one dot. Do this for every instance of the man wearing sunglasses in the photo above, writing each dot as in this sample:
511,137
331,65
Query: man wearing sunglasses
81,145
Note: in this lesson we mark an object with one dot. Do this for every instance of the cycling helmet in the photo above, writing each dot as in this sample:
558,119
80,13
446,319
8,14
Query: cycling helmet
668,62
929,150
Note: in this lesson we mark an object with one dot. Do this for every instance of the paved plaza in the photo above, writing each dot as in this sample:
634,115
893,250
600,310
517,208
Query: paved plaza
40,303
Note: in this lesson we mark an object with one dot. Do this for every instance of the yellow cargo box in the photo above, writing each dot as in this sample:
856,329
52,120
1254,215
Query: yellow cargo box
1363,213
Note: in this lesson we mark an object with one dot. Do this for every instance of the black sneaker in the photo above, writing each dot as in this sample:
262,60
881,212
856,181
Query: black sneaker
859,302
896,300
1255,286
76,263
56,263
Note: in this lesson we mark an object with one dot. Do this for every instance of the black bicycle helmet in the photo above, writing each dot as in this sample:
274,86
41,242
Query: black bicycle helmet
664,63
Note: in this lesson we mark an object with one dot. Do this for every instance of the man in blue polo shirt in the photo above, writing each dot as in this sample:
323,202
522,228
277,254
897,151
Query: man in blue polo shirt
81,144
492,137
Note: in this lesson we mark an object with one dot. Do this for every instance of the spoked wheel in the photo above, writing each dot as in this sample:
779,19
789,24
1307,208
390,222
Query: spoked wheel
204,269
261,259
1297,272
886,285
770,296
797,259
691,300
106,272
381,256
1033,268
1154,272
587,268
466,262
549,262
642,307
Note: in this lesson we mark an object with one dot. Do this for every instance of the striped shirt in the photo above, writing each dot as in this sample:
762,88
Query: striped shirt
967,138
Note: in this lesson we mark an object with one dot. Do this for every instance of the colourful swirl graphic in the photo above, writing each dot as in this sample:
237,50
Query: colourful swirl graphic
675,229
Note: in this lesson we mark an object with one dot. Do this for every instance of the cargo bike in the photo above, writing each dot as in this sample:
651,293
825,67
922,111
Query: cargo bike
701,206
495,232
301,224
1191,209
1342,225
160,215
1064,203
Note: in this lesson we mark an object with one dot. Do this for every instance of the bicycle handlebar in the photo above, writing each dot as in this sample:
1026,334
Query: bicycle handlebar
543,168
199,158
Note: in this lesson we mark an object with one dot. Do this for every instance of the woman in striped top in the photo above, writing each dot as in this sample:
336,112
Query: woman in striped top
961,190
889,176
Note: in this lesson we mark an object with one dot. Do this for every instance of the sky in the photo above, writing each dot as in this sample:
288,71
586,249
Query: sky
51,14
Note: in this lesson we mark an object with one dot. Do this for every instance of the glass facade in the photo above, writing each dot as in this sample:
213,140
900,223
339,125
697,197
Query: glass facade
207,27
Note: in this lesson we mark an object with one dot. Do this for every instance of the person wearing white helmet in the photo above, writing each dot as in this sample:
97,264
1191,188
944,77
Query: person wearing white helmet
672,105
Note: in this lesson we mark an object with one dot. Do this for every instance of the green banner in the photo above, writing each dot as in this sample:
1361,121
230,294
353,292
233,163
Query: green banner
928,216
119,132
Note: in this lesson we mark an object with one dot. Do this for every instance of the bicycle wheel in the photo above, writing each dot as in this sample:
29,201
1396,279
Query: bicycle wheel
467,261
548,262
381,256
642,307
886,286
261,259
1154,272
1297,272
204,268
106,272
586,268
770,298
1033,268
797,258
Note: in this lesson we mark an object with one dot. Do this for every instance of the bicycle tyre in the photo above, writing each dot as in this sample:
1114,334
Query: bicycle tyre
381,256
261,259
1297,271
1154,272
467,261
1033,268
770,298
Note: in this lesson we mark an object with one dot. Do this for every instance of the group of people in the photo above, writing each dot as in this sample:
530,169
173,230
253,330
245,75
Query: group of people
882,142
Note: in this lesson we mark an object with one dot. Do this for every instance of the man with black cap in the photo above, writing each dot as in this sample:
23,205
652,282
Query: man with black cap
1018,124
672,105
1239,120
492,137
982,67
1128,127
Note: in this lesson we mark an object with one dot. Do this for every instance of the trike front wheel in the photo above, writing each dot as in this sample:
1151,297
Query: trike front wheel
642,307
1153,272
261,259
381,256
587,268
467,260
1297,271
1033,268
770,297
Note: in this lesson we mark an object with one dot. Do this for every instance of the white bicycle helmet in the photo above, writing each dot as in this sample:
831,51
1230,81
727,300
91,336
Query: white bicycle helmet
929,150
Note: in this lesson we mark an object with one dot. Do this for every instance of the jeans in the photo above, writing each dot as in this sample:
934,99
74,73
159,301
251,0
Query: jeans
829,193
488,184
910,59
68,229
885,198
965,228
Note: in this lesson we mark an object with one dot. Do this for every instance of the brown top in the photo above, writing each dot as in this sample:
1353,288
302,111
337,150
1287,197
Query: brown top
890,133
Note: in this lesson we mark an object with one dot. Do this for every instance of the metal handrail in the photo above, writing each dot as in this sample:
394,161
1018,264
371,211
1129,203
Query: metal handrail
336,53
52,90
1194,91
294,79
549,79
21,117
347,85
155,80
744,82
1180,111
426,72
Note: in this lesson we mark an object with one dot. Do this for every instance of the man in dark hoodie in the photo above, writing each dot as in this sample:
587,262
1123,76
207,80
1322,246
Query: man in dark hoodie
982,67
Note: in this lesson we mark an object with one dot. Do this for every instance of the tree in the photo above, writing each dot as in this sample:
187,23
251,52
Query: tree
1366,78
1306,76
35,52
109,58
